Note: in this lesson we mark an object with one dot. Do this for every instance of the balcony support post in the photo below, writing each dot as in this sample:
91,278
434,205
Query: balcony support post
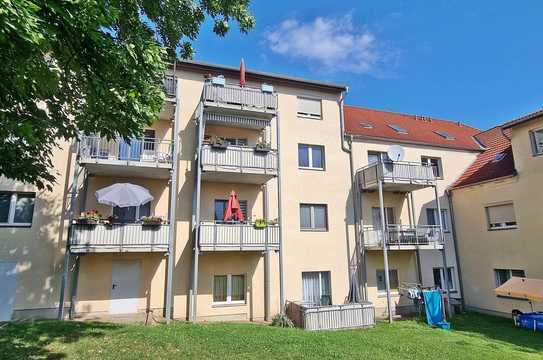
75,281
196,225
385,249
279,217
267,256
414,224
168,303
443,251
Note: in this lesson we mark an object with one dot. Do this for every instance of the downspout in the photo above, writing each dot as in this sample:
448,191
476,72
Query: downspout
448,193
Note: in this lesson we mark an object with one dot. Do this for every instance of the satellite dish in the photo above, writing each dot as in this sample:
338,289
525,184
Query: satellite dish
395,153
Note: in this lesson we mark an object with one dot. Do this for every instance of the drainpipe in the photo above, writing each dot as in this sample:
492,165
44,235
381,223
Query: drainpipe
449,194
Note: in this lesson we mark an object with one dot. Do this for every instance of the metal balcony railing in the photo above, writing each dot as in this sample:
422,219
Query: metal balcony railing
146,150
397,172
237,96
219,236
118,238
242,159
403,235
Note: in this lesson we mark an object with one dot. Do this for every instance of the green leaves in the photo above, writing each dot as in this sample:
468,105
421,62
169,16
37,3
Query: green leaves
90,66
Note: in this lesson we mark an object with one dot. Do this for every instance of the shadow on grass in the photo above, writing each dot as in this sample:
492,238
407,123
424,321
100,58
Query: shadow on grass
30,339
498,329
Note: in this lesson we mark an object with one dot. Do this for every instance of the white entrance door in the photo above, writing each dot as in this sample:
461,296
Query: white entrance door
125,287
8,286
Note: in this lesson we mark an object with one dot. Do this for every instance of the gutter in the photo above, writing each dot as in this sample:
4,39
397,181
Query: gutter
413,142
448,193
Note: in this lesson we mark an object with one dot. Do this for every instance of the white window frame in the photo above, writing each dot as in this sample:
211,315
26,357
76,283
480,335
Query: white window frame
444,218
502,226
509,272
308,115
229,300
536,148
321,292
11,212
442,275
310,157
312,217
424,159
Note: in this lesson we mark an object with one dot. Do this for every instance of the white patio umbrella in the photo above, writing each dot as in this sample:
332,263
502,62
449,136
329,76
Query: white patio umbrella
123,195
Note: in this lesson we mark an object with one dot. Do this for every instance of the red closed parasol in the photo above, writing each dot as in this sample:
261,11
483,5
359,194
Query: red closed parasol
233,211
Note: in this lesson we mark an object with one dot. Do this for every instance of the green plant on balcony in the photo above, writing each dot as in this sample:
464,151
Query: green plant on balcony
219,143
90,217
151,220
263,147
260,224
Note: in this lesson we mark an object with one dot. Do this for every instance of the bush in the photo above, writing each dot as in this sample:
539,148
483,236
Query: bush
282,320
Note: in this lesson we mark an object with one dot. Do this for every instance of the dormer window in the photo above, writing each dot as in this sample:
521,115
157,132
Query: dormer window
445,135
398,129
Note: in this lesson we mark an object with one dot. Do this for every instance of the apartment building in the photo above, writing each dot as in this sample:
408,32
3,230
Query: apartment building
436,153
497,209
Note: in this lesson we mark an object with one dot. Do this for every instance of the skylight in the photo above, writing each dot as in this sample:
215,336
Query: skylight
398,129
499,157
366,125
445,135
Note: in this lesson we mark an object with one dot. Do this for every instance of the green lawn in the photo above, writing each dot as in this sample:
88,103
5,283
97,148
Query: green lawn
474,337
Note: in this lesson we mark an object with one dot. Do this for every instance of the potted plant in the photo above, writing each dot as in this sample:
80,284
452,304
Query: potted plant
263,147
273,222
151,221
219,143
260,224
89,217
111,220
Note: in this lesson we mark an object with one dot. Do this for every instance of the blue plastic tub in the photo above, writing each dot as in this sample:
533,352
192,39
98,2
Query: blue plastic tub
532,321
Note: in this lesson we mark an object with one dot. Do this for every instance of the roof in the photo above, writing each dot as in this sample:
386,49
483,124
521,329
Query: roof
523,119
379,124
495,162
254,75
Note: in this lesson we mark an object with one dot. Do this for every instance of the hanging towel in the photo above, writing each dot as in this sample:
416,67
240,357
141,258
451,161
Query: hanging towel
434,309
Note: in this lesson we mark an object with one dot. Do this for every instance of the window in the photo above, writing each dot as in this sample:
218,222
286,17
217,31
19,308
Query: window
536,137
393,278
236,141
377,156
316,287
365,125
132,213
311,156
16,209
313,217
502,275
445,135
398,129
220,208
310,108
149,140
435,163
501,217
431,216
376,217
229,289
439,278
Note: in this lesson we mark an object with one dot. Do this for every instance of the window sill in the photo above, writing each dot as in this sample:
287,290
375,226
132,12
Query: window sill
228,304
314,230
5,225
310,168
384,294
503,228
309,117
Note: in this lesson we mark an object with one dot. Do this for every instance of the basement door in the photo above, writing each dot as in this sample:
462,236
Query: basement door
125,287
8,286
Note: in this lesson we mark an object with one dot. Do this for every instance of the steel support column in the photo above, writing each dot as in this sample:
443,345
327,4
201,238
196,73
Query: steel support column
443,252
385,249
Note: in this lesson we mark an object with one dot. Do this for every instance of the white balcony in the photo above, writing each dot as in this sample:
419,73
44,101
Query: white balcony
404,237
236,98
234,120
88,238
396,176
134,158
238,164
238,237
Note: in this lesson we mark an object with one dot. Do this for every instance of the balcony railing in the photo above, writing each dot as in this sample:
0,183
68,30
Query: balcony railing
239,97
216,236
241,159
236,120
169,85
118,238
404,236
398,172
145,151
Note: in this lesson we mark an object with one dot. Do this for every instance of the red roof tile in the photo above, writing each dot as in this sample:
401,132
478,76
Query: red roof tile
419,129
495,162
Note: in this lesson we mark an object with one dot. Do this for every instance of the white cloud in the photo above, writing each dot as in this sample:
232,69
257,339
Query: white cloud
330,43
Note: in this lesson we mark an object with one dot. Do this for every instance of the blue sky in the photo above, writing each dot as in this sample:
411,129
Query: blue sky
479,62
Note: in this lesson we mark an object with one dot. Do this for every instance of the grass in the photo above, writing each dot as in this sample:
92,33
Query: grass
474,336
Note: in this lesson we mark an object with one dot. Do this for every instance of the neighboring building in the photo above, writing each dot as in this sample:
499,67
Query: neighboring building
497,206
437,152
